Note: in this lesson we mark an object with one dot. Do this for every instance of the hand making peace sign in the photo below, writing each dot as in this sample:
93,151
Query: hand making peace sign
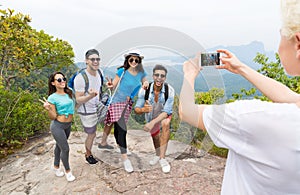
46,104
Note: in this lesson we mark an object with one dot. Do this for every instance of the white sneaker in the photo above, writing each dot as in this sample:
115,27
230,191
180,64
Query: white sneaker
128,152
128,166
154,160
57,172
70,176
165,166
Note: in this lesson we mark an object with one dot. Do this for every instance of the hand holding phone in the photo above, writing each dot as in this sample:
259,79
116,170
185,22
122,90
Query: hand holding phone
210,59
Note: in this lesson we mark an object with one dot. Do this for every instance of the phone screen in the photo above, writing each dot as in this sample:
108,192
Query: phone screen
210,59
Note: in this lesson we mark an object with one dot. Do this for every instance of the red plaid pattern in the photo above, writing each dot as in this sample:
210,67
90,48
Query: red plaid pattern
115,111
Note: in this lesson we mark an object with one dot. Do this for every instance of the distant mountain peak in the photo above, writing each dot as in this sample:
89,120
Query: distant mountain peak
257,46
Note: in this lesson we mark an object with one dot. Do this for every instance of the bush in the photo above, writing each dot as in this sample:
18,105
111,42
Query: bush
21,116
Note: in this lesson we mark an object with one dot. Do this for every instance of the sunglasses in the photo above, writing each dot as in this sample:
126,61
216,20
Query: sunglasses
61,80
94,59
135,60
160,75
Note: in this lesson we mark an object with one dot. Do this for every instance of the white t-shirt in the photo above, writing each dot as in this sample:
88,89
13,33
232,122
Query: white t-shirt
263,139
94,83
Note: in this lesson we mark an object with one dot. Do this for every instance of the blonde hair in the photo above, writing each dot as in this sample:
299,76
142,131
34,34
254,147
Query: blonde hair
290,10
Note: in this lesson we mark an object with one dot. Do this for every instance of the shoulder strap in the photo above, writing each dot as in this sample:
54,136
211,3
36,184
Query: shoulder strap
86,85
166,92
134,92
147,92
116,88
101,77
86,80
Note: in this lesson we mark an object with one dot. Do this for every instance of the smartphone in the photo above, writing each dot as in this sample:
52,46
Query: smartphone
210,59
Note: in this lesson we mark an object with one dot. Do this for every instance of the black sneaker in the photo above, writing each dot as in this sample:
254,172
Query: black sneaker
91,160
109,147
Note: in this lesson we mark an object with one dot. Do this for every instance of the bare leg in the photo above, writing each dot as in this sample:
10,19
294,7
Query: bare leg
106,132
164,137
89,143
156,144
124,156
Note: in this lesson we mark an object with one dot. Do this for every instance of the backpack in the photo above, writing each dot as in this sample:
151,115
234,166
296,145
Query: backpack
86,80
166,92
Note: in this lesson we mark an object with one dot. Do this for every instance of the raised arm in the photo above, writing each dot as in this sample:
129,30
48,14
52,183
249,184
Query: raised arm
50,108
82,98
274,90
188,110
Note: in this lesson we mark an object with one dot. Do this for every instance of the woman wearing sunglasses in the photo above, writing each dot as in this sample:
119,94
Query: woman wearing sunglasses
129,78
60,106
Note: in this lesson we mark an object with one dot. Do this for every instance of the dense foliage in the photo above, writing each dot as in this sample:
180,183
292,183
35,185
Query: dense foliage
272,70
24,50
27,58
21,116
275,71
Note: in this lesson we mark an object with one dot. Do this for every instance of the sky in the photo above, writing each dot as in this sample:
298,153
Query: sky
86,24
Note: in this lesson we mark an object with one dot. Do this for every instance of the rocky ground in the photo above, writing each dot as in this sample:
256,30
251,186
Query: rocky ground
193,172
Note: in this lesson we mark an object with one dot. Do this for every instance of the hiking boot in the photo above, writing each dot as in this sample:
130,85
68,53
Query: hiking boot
91,160
70,176
165,166
128,166
154,160
57,172
109,147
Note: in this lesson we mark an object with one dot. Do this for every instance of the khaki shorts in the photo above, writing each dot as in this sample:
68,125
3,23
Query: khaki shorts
89,122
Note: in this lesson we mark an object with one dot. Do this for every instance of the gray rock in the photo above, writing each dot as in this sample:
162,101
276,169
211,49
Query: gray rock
192,171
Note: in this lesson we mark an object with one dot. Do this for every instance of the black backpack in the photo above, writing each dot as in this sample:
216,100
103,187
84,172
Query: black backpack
166,92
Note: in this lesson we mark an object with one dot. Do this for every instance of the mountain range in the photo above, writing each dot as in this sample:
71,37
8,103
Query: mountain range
209,77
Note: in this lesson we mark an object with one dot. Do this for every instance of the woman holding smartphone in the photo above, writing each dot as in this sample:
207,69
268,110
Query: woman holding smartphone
263,138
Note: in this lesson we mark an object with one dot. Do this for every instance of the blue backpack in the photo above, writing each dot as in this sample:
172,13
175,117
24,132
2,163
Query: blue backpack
86,80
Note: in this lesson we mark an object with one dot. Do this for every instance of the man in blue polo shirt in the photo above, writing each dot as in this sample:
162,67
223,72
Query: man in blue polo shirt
157,103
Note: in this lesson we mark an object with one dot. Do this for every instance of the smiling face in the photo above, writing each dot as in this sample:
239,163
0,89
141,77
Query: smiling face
133,61
59,81
159,77
93,62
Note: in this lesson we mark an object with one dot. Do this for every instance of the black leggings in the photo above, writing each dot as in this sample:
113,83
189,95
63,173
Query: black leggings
120,136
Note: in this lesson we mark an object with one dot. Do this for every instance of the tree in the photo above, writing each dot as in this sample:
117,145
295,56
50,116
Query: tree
24,49
275,71
272,70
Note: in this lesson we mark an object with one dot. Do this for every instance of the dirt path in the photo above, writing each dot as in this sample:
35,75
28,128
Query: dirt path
28,171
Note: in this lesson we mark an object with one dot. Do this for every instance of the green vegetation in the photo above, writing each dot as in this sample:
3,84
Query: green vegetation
190,135
275,71
27,58
21,116
272,70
